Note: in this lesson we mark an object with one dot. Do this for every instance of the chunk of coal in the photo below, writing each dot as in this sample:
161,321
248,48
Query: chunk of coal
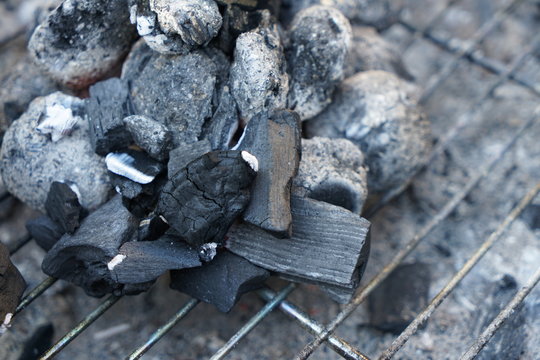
399,298
81,41
107,106
134,165
320,37
31,161
236,20
82,258
152,228
180,157
201,201
63,206
125,187
370,51
259,80
224,122
12,286
323,234
143,261
144,203
152,136
274,139
44,231
333,171
378,112
220,282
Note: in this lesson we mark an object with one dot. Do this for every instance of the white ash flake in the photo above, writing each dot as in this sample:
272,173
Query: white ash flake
145,25
59,121
115,261
251,160
208,251
6,324
122,164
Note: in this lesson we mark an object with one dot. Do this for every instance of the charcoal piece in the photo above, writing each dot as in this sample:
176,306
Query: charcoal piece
152,136
220,282
258,76
321,234
30,161
144,203
332,170
44,231
152,228
12,286
531,216
399,298
379,113
63,206
201,201
237,19
224,122
134,165
82,258
81,41
180,157
125,187
107,106
370,51
274,139
142,261
320,37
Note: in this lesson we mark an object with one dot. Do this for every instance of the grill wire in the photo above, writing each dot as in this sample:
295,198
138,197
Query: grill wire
325,333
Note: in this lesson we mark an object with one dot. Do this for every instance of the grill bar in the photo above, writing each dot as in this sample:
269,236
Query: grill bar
458,276
35,293
499,320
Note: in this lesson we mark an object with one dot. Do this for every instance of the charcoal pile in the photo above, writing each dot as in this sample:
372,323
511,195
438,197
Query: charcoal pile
213,140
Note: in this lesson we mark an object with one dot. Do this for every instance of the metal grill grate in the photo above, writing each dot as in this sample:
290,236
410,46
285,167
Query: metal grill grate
325,333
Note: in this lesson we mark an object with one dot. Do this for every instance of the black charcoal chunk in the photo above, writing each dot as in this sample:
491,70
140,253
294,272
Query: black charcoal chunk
125,187
201,201
379,113
320,37
224,122
107,106
12,286
81,41
82,258
220,282
144,203
399,298
180,157
134,165
274,139
236,20
152,228
323,234
142,261
332,170
62,206
152,136
44,231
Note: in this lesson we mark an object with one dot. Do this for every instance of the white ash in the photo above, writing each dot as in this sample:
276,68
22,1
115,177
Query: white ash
58,121
122,164
251,160
115,261
208,251
6,324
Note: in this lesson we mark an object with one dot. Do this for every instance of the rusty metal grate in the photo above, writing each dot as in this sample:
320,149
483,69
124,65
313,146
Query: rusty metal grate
325,333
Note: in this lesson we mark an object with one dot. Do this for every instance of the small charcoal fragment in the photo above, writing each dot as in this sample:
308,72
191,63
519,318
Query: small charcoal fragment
323,234
320,37
152,228
208,251
236,20
152,136
201,201
145,202
220,282
180,157
143,261
44,231
125,187
63,206
274,139
12,286
224,123
134,165
397,301
107,106
82,258
332,170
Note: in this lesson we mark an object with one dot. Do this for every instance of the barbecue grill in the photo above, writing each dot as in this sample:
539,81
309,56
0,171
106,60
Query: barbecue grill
455,54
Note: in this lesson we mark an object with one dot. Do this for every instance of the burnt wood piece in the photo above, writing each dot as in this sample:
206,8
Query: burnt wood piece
180,157
82,258
274,139
151,135
399,298
134,165
152,228
125,187
108,105
224,124
325,247
44,231
220,282
143,261
145,203
63,207
201,201
12,286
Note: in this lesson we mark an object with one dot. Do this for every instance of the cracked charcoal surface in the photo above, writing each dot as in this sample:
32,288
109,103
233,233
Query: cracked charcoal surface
62,206
12,286
82,258
274,139
44,231
322,233
332,170
81,41
31,161
379,113
258,76
150,135
180,157
201,201
319,38
220,282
